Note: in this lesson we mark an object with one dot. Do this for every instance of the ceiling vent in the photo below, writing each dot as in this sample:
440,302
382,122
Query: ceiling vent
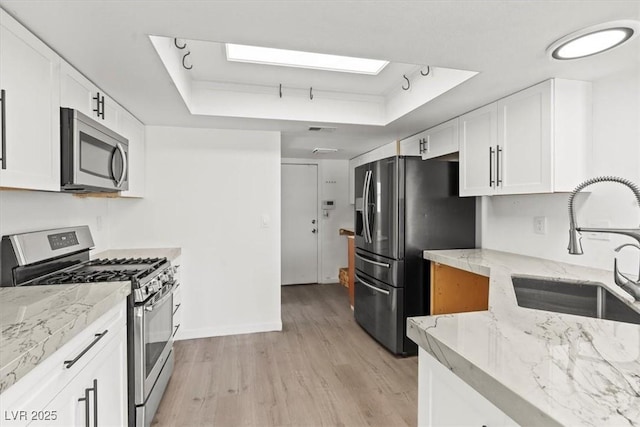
321,129
324,150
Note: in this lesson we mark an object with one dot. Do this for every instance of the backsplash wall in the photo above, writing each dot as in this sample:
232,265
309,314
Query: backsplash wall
507,221
23,211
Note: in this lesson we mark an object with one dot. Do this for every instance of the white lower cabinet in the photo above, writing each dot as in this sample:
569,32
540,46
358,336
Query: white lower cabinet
446,400
91,391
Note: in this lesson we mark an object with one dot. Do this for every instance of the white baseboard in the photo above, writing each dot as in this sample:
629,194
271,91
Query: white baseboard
188,334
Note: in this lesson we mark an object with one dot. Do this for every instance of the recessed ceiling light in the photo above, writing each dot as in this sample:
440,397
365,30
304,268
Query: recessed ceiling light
300,59
593,40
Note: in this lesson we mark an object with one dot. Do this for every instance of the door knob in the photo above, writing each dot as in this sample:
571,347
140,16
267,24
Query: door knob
313,221
314,231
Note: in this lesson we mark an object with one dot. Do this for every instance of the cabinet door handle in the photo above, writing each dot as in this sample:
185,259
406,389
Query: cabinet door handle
85,399
498,177
99,110
175,330
421,145
70,363
491,167
177,307
95,402
3,135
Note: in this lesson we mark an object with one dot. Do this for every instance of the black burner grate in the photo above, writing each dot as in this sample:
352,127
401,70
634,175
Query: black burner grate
105,270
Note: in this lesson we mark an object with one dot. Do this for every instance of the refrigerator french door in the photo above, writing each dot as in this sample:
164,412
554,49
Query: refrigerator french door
404,205
377,208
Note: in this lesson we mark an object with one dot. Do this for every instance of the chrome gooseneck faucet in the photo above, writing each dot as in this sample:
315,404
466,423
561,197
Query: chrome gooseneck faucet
575,246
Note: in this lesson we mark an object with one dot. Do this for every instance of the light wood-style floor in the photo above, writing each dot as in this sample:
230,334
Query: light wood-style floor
321,370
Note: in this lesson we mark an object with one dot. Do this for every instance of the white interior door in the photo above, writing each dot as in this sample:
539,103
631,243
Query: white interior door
299,224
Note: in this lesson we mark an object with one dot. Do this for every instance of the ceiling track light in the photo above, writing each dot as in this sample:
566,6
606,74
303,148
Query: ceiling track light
594,40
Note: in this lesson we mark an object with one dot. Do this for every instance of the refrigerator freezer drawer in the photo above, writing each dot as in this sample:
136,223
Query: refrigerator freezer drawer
378,308
389,271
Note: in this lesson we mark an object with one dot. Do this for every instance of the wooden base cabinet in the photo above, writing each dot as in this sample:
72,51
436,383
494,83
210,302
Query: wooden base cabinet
91,391
457,291
446,400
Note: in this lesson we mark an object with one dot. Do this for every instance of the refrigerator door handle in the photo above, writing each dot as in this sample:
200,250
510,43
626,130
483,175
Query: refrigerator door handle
365,207
368,285
370,261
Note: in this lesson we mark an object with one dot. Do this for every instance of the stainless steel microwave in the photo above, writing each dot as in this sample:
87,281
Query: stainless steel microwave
93,157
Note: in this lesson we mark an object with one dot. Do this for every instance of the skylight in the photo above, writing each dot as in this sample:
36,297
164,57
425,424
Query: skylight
300,59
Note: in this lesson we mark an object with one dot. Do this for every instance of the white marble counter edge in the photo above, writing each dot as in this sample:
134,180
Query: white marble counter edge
19,366
509,401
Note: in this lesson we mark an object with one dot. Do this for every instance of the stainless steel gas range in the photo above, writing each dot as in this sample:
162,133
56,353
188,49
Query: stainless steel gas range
61,256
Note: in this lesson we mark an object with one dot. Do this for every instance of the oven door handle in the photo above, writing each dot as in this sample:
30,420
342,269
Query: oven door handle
159,302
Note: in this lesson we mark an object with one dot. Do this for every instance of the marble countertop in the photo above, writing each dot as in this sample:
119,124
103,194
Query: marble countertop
170,253
35,321
540,368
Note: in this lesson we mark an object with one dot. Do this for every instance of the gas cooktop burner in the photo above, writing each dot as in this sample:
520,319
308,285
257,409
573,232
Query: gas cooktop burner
82,276
105,270
127,261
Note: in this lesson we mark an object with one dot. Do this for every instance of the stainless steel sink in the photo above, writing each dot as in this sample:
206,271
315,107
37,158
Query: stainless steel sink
581,298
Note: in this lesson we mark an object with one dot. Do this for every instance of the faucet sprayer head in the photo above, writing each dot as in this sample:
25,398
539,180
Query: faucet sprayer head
575,246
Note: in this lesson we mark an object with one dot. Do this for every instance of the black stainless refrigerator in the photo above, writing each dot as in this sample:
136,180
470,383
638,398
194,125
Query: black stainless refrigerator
403,206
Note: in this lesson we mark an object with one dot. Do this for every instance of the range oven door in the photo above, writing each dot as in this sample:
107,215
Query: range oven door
153,341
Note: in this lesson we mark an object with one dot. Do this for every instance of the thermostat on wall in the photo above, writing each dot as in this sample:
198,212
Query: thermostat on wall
328,204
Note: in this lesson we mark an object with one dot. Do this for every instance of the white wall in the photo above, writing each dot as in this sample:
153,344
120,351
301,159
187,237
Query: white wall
507,222
333,184
23,211
207,191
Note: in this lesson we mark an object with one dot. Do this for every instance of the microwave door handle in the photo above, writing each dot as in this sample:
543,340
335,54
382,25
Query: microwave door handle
123,175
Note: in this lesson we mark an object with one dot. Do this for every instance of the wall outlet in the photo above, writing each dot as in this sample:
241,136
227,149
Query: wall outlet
540,224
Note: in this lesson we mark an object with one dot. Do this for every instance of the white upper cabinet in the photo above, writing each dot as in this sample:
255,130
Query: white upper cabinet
77,92
537,140
440,140
382,152
133,130
437,141
30,84
523,154
478,140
